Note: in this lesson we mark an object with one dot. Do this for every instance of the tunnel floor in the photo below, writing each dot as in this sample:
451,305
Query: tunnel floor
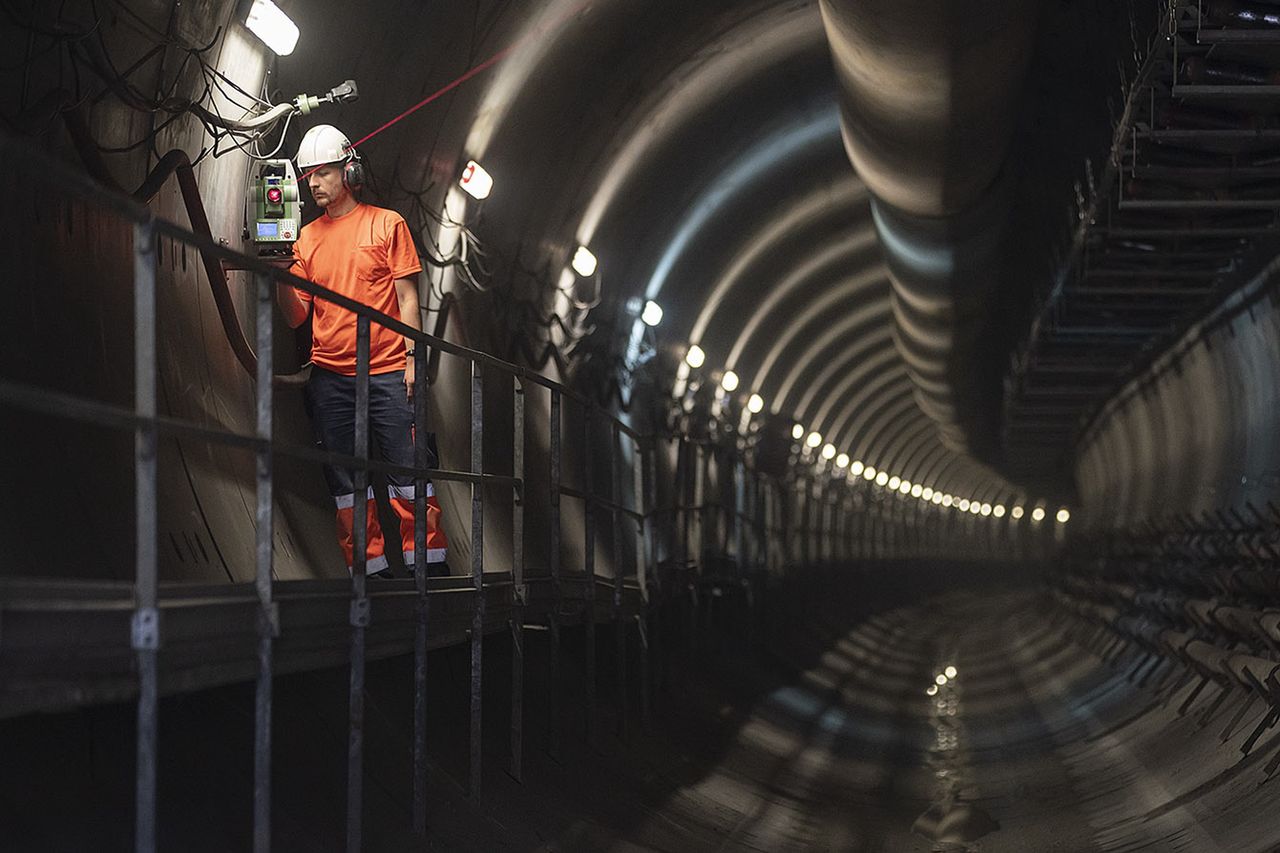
827,738
1035,745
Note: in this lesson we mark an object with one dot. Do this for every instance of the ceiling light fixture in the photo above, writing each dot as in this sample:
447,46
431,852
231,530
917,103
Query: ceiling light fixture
584,263
652,313
272,26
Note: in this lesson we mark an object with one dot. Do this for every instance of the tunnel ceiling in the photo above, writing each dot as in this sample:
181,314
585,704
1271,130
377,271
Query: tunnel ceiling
875,216
697,150
703,153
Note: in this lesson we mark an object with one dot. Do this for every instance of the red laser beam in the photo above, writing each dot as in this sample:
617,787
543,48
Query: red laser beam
472,72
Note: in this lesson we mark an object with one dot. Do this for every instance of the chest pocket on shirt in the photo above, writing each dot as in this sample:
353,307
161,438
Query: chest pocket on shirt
371,263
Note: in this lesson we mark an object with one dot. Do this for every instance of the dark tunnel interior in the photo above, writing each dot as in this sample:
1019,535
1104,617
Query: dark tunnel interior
852,423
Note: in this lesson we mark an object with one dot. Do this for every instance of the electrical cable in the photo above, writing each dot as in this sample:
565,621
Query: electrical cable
246,135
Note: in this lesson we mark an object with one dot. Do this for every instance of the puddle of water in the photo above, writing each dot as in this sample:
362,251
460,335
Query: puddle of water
950,823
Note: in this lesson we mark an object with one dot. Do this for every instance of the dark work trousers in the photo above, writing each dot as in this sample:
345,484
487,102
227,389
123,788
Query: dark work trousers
331,404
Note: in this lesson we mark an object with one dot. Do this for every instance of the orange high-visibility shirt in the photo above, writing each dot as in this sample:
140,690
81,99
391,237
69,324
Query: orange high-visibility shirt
359,255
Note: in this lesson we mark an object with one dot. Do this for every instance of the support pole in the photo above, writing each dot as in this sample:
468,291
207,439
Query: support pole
477,578
589,569
359,614
521,593
421,461
146,616
557,589
268,621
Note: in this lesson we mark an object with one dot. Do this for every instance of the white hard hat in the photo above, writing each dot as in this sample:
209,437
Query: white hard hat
322,144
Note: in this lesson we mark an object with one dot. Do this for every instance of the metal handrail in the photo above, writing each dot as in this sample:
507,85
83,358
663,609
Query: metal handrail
18,154
148,425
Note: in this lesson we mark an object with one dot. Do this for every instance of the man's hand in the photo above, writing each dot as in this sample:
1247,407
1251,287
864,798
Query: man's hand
407,297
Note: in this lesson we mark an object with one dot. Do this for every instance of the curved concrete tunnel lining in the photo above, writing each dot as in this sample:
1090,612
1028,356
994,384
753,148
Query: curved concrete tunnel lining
902,436
824,202
856,406
808,358
853,290
913,448
724,68
828,260
892,404
857,353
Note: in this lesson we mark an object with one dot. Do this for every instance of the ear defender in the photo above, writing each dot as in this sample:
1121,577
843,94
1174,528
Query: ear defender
353,172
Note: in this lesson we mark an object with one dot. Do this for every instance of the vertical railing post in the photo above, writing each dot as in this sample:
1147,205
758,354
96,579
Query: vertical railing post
589,569
359,613
639,460
421,461
557,589
681,503
847,503
805,493
477,575
521,592
619,623
146,616
268,621
699,507
739,511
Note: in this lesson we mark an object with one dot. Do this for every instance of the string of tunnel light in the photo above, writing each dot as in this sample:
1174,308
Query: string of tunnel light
695,358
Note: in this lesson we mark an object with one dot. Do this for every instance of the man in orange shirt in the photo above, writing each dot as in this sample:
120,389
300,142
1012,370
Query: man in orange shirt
365,253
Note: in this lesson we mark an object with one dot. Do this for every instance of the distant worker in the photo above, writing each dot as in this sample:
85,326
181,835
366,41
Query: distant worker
365,253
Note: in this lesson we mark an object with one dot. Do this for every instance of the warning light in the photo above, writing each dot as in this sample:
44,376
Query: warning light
475,181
